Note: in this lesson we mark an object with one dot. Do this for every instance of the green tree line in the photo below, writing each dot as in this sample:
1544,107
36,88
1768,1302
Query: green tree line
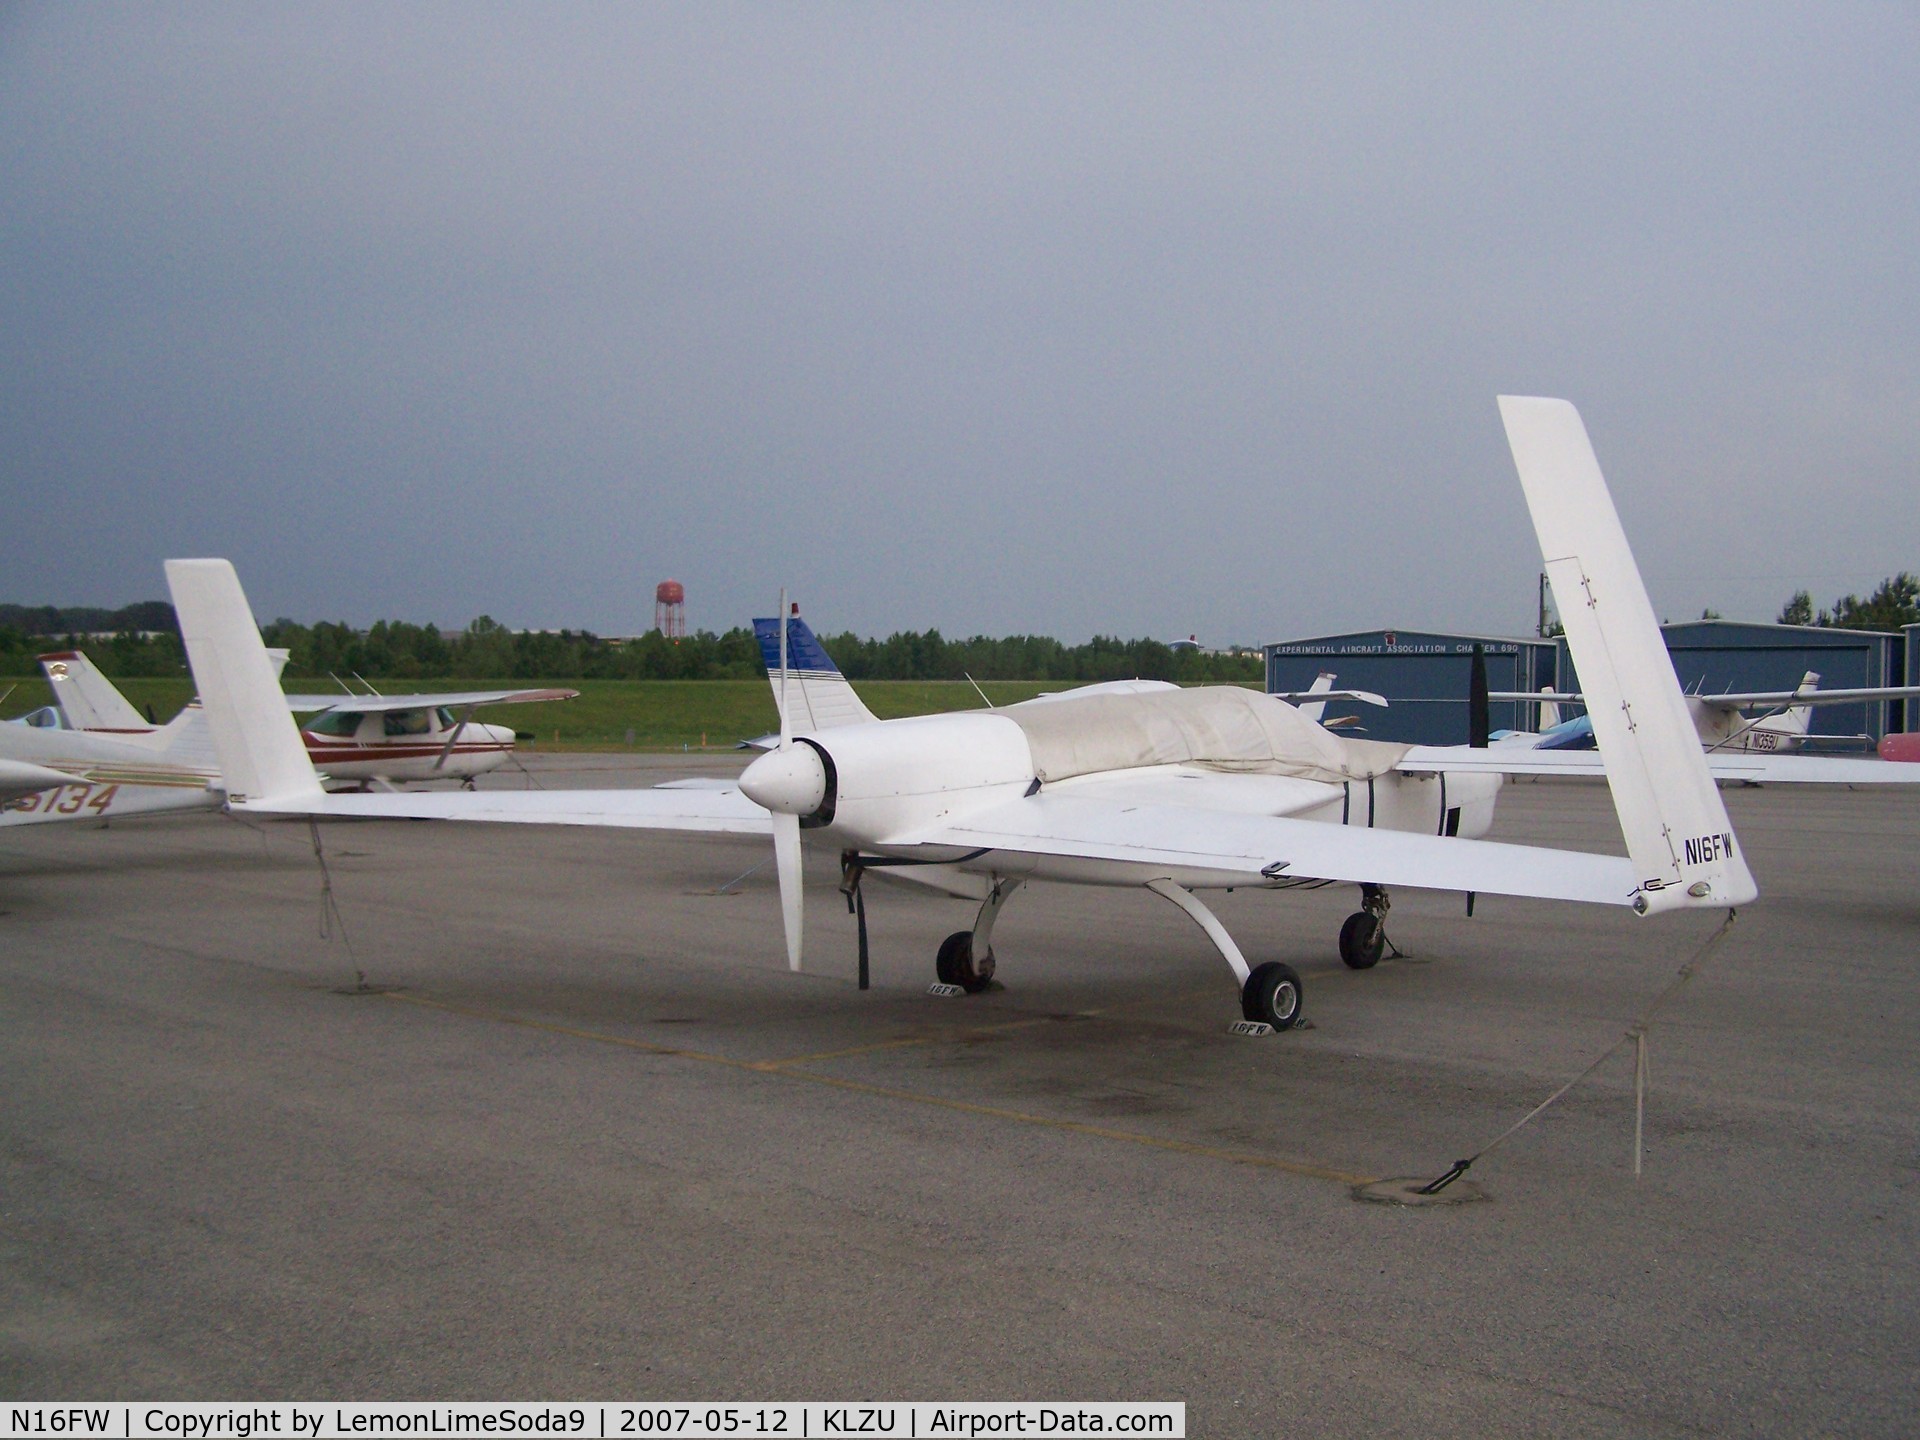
1894,604
147,644
397,650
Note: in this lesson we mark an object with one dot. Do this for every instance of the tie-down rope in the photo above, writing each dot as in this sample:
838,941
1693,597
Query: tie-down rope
1636,1035
330,916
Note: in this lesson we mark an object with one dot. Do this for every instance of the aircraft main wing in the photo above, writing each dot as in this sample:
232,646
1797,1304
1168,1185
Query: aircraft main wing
387,704
1254,849
1358,697
1755,767
719,809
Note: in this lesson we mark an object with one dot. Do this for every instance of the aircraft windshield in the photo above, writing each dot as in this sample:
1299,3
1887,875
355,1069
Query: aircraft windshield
336,722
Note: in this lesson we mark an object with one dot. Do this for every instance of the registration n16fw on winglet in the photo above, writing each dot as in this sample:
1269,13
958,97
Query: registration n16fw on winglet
1177,791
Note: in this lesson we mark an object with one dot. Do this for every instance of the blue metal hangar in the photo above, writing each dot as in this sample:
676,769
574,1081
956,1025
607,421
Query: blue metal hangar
1425,674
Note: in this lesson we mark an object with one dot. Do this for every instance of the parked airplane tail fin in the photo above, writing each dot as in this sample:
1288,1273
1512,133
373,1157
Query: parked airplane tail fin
1798,719
89,699
1677,831
1549,711
261,755
1315,710
93,703
818,693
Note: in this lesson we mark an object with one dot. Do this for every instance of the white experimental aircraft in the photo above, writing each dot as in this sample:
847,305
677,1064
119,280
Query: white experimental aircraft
49,772
355,740
1173,790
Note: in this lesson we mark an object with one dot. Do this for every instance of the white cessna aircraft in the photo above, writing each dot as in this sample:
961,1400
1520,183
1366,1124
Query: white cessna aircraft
355,740
1721,720
1173,790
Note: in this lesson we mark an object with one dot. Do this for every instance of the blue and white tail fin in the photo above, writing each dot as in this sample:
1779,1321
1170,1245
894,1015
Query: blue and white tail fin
262,758
1678,835
817,693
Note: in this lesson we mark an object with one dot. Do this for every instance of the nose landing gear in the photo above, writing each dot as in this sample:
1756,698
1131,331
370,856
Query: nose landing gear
1363,939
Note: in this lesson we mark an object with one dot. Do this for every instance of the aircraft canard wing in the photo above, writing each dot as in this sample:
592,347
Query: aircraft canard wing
1209,847
716,810
1676,827
1750,767
454,700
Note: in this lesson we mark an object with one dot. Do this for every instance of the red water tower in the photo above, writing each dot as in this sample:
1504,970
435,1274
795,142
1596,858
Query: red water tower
670,609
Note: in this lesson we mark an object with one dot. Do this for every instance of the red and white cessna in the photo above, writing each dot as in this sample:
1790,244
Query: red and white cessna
363,741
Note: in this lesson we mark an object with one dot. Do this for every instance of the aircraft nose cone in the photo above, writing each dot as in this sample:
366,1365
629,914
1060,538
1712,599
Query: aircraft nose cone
790,781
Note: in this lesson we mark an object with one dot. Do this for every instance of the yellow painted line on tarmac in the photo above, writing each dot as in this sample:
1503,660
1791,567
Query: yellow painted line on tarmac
787,1069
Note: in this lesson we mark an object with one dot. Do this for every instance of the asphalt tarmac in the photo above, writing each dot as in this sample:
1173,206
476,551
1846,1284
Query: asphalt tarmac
546,1117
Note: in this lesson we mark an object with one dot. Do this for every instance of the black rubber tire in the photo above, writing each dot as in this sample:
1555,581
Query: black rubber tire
1272,995
1363,940
955,964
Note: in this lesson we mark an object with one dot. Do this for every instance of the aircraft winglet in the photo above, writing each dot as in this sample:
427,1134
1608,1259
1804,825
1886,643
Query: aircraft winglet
1677,831
261,755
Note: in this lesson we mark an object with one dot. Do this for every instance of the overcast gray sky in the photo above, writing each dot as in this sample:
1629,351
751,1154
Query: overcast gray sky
1147,320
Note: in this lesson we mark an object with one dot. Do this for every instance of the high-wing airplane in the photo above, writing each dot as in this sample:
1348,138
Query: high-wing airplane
1173,790
363,740
1312,701
1721,720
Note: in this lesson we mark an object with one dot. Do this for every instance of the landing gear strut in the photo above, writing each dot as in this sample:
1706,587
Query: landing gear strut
1363,939
1270,992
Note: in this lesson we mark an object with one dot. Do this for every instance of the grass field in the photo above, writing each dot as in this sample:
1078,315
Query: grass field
617,714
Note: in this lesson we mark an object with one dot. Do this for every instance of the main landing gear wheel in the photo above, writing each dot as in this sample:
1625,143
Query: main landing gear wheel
955,964
1272,995
1363,940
